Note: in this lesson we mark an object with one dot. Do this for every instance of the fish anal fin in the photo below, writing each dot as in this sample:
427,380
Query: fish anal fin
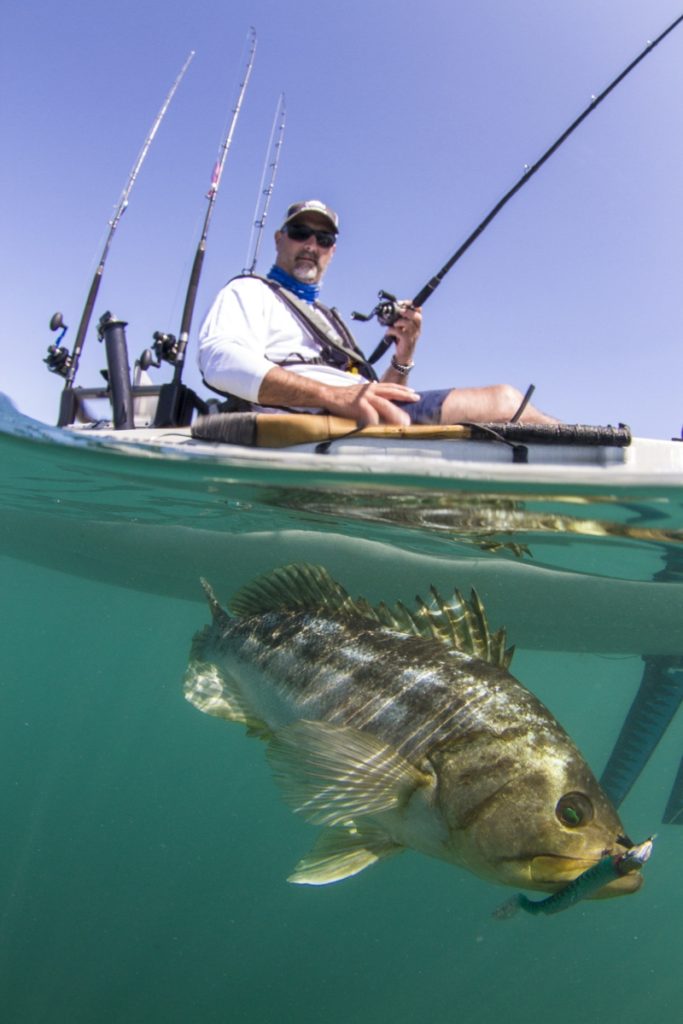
213,692
334,774
342,852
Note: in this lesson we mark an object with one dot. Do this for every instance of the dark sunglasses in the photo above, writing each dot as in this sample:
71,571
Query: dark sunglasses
301,233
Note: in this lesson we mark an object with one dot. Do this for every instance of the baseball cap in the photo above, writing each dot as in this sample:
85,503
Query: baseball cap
312,206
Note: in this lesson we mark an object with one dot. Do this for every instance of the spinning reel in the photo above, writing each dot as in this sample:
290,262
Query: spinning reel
58,359
387,310
165,349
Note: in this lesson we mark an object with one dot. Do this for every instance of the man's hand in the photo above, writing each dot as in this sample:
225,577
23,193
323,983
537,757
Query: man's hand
366,403
406,331
371,403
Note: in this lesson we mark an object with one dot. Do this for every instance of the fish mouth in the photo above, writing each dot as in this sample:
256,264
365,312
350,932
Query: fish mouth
550,872
624,885
553,870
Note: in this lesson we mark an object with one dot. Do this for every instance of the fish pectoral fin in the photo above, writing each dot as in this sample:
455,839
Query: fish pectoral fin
342,852
216,693
333,774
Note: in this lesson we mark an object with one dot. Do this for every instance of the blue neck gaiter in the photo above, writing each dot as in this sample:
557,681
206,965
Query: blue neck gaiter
307,292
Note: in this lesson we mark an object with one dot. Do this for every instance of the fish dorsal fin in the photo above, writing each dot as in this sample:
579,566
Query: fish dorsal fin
298,587
218,613
459,624
463,625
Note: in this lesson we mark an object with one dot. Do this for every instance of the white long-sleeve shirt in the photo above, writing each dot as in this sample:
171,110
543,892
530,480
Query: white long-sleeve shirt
247,331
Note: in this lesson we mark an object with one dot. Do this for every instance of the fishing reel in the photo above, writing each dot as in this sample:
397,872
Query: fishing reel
165,349
387,310
58,358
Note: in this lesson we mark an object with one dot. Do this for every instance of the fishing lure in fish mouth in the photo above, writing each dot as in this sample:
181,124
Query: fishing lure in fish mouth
584,886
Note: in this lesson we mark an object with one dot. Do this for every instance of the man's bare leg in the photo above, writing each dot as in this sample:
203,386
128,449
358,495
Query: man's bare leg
495,404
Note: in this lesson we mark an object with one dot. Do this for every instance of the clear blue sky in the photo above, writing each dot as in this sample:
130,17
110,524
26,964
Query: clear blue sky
412,120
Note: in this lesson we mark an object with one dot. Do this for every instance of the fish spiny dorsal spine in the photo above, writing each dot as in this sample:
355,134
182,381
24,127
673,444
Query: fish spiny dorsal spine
462,625
218,613
459,624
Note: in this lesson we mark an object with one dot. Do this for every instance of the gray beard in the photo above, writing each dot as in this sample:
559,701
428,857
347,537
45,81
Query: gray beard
307,273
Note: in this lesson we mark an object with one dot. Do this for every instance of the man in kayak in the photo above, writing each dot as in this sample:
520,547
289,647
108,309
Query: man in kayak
270,345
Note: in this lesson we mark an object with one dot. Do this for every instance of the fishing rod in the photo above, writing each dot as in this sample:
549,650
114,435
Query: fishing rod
388,310
59,360
266,191
171,395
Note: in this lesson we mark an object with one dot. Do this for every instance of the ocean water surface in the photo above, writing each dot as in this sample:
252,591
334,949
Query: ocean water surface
145,847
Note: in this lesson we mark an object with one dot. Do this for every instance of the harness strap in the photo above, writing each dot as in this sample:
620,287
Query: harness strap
328,329
338,345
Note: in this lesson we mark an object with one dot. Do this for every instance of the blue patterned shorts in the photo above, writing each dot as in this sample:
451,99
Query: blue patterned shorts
427,409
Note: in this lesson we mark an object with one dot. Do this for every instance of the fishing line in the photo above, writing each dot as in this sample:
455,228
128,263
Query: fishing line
388,310
265,192
171,395
59,360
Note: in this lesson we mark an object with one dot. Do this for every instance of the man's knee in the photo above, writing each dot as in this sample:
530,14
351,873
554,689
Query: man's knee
506,399
494,402
497,402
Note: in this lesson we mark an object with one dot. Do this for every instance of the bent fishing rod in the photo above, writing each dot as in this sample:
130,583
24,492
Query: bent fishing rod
59,360
170,395
388,310
265,192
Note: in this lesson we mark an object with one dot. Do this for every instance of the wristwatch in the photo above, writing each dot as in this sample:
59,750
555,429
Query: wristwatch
402,368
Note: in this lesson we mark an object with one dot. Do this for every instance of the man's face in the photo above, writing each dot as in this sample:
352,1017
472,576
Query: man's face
305,260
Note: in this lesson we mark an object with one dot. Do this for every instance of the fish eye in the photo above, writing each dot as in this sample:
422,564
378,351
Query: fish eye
574,809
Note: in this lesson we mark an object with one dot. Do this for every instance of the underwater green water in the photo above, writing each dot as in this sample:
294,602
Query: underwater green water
145,847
